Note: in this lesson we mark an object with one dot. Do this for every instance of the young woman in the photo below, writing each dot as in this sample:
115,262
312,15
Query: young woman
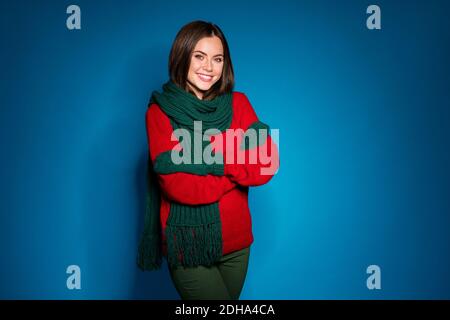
197,211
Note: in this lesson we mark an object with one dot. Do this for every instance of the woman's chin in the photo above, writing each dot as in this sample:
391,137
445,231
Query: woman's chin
203,86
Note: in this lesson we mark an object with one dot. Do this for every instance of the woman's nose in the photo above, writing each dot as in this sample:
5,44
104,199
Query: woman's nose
208,65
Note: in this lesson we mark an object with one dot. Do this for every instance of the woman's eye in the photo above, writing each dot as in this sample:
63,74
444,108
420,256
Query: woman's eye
198,56
219,59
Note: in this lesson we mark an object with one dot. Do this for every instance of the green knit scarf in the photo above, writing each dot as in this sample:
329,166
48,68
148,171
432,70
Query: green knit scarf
193,232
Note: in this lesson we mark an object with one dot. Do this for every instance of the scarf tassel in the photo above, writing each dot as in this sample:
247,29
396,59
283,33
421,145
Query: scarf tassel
192,246
150,253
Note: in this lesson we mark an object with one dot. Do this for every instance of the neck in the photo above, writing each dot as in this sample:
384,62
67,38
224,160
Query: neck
197,91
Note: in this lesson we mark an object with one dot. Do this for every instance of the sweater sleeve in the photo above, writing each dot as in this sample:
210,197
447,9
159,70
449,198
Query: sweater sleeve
181,187
265,151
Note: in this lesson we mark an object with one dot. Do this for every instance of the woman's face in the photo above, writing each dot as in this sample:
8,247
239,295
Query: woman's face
206,65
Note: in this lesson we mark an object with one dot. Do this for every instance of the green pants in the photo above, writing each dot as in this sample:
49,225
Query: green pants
222,281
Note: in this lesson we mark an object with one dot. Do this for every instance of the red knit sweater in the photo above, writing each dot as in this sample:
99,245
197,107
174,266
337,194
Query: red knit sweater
231,189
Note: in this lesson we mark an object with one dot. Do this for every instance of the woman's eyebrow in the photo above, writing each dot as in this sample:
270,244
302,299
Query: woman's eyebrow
206,54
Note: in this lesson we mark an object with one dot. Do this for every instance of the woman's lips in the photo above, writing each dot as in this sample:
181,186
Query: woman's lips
204,78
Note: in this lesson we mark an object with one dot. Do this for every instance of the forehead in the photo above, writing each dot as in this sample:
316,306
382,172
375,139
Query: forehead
210,45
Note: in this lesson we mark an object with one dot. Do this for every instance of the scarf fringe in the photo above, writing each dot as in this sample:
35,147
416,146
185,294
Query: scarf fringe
191,246
150,254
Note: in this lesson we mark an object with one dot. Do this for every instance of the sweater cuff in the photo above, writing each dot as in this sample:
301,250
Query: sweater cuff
248,144
229,170
217,169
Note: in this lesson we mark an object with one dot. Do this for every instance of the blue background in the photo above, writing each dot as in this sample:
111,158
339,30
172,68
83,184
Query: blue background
364,145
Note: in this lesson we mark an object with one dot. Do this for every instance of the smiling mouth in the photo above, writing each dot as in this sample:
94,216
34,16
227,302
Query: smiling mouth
204,77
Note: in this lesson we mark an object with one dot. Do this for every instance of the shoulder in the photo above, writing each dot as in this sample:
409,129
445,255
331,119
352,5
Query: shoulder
241,103
154,116
243,108
240,98
153,110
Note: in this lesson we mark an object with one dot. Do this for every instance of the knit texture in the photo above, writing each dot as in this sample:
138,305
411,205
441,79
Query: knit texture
149,252
261,137
193,233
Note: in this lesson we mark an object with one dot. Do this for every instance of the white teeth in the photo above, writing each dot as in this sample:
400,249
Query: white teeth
203,77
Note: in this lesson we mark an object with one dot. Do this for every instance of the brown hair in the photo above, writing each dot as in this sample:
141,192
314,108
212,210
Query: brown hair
181,53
